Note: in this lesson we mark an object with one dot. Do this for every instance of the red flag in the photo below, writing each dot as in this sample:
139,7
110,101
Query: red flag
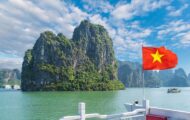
158,58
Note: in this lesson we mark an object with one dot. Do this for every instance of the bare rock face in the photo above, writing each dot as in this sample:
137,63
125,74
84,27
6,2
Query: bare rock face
85,62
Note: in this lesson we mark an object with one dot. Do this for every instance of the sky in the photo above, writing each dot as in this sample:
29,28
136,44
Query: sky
130,24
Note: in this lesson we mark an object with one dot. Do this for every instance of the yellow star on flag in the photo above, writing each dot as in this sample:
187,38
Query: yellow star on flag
157,57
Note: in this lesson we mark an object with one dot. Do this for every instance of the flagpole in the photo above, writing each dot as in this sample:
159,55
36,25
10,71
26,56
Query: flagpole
142,76
143,85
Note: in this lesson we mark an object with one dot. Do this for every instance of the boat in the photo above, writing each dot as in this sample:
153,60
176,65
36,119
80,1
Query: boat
173,90
10,88
16,87
134,111
7,87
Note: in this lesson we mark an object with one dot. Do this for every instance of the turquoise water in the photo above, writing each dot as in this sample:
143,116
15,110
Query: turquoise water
17,105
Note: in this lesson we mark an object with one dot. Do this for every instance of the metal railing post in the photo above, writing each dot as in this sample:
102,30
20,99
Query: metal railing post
146,106
81,110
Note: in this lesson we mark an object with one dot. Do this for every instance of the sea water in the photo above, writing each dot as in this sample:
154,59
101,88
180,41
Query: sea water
17,105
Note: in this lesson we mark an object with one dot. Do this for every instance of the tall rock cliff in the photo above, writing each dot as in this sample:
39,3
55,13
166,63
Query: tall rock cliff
85,62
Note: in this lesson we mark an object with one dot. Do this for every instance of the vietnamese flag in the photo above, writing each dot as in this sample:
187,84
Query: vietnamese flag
158,58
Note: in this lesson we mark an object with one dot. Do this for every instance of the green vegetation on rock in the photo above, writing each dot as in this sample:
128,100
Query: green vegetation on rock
85,62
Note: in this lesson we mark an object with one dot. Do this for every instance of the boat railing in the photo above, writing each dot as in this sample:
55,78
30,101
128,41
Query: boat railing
135,112
122,116
169,113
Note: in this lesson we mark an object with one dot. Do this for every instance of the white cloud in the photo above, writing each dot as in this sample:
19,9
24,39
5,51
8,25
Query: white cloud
186,39
22,22
11,63
97,6
137,7
127,49
173,26
173,12
176,31
136,35
123,12
129,40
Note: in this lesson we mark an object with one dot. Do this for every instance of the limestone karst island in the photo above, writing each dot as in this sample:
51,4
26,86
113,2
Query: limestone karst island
85,62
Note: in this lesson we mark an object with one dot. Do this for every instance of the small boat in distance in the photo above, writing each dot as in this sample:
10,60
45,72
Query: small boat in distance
10,87
173,90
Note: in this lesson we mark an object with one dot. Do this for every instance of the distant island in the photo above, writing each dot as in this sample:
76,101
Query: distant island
10,77
85,62
130,73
